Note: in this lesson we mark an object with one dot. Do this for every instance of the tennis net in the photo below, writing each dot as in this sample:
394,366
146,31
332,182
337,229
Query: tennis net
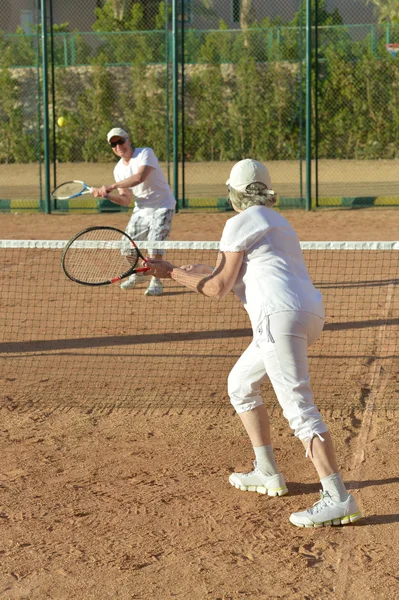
69,345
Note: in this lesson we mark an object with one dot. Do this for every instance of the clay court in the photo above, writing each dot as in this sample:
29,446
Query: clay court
121,499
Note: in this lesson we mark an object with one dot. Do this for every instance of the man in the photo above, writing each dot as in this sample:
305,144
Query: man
138,175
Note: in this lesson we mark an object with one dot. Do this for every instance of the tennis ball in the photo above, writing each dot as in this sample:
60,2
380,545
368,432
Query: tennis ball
62,121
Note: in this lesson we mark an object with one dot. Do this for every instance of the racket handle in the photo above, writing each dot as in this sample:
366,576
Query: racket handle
142,270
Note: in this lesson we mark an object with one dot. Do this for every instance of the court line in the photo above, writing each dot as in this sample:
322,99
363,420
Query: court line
377,385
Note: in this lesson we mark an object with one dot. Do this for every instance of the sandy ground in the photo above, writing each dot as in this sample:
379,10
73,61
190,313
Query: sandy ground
116,504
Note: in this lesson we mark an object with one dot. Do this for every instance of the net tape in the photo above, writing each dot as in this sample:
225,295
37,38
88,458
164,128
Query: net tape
201,245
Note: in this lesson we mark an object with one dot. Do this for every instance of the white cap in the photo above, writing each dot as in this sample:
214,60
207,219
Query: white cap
248,171
117,131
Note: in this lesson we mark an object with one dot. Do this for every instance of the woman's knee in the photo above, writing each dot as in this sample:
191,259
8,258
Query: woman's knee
244,395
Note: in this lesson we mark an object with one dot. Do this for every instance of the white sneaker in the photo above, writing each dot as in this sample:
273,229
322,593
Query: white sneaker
155,288
328,512
132,281
255,481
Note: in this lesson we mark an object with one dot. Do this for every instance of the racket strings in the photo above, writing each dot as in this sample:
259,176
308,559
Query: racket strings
98,256
68,190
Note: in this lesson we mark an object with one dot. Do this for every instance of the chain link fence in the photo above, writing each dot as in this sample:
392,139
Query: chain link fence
241,92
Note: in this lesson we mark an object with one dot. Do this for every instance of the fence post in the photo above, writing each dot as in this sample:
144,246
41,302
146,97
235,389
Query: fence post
183,191
71,39
167,87
301,100
308,105
46,136
175,101
53,100
373,40
316,104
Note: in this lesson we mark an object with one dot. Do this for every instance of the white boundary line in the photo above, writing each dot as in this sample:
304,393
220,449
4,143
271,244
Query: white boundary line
359,456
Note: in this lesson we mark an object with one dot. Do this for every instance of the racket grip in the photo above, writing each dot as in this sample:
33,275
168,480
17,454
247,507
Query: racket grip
142,270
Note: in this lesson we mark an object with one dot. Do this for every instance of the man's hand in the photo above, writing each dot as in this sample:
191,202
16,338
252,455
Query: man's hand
101,192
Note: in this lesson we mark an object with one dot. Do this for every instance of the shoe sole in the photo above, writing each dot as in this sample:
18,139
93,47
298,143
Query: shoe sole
348,520
260,489
131,286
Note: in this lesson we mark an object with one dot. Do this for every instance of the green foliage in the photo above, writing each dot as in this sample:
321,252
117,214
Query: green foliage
206,120
144,109
359,103
387,10
17,141
133,20
242,89
90,104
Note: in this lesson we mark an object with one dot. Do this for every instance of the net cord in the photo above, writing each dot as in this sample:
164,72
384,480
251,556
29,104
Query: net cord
204,245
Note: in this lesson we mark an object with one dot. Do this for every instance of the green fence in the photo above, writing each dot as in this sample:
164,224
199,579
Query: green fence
223,46
202,98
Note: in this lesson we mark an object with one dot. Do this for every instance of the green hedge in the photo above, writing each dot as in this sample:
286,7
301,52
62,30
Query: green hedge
250,108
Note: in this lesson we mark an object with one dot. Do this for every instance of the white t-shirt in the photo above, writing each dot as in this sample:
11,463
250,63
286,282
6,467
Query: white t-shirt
154,192
273,276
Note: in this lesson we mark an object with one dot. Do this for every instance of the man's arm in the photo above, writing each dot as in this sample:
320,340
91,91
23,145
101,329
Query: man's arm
131,181
124,197
125,194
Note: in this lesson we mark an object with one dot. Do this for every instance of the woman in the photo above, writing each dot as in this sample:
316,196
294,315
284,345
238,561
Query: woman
260,259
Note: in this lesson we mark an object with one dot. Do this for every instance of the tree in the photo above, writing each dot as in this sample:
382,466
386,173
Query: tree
120,8
246,14
121,15
387,10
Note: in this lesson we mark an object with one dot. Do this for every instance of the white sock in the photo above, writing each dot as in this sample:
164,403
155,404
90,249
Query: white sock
334,485
265,460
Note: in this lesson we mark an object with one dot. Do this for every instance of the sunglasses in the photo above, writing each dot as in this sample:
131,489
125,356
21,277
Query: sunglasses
115,144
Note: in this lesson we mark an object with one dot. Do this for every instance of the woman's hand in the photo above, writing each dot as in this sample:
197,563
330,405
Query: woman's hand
161,269
197,269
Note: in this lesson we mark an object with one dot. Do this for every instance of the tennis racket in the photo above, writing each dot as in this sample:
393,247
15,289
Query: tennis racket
100,256
70,189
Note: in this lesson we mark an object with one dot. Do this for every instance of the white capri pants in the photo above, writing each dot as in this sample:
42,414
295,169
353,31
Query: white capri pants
279,352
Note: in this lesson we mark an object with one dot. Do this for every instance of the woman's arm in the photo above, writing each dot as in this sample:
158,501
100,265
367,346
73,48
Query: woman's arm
215,285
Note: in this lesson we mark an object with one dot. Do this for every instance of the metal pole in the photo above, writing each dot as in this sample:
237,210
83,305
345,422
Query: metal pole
301,100
167,87
46,136
53,100
308,105
316,101
39,116
175,102
182,4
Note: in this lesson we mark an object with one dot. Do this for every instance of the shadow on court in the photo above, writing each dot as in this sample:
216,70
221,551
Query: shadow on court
127,340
